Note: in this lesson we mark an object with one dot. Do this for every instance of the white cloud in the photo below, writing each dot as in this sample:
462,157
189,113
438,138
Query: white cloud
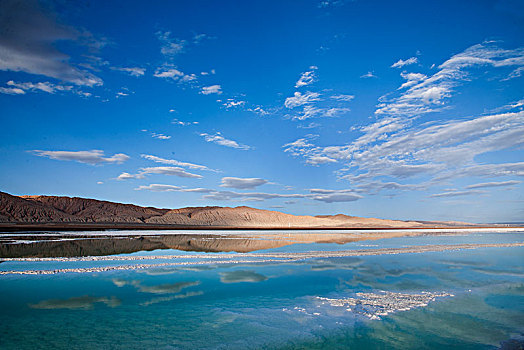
198,38
337,197
368,75
332,3
311,125
170,46
259,110
307,78
401,63
167,170
445,150
213,89
127,176
221,140
393,147
174,74
428,94
242,183
457,193
160,136
179,122
232,103
133,71
335,111
316,160
27,43
171,188
256,196
515,73
342,97
494,184
175,162
89,157
208,73
40,86
12,91
327,196
412,79
309,111
161,170
323,195
299,99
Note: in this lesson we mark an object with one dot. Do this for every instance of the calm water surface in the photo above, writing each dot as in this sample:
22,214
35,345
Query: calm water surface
276,305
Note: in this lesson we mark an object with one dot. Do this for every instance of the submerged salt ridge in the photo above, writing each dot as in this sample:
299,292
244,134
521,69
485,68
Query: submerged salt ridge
383,303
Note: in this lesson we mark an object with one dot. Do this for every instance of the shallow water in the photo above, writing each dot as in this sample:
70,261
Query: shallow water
470,298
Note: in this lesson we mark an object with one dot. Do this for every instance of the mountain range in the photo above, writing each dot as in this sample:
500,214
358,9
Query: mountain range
47,210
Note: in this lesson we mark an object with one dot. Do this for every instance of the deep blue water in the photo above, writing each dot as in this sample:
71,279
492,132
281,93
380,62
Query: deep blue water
273,305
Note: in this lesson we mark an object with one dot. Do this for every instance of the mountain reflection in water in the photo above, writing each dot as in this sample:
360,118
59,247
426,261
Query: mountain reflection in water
64,245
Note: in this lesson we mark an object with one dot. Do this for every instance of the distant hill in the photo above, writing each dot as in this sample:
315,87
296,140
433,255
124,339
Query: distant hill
67,210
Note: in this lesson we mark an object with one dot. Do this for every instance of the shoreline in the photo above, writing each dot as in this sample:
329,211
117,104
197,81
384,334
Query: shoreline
23,227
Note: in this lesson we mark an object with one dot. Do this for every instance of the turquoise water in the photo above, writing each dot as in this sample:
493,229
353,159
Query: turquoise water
273,305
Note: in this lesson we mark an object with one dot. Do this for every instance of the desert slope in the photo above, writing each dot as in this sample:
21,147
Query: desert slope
251,217
54,209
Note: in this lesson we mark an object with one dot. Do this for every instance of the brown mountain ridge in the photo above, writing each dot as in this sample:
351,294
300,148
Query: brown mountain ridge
74,210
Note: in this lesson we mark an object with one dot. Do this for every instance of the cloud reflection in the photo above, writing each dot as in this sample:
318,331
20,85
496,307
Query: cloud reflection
85,302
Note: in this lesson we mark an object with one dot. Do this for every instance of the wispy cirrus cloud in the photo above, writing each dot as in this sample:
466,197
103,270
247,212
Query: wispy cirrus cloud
429,94
132,71
457,193
171,188
92,157
323,195
170,46
179,122
307,78
396,148
401,63
412,79
342,97
494,184
334,196
300,99
155,135
160,136
325,4
445,150
161,170
222,141
311,104
175,162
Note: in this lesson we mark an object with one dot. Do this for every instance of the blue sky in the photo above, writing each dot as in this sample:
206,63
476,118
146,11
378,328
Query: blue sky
402,110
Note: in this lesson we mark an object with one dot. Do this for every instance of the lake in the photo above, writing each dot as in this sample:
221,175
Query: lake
262,290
